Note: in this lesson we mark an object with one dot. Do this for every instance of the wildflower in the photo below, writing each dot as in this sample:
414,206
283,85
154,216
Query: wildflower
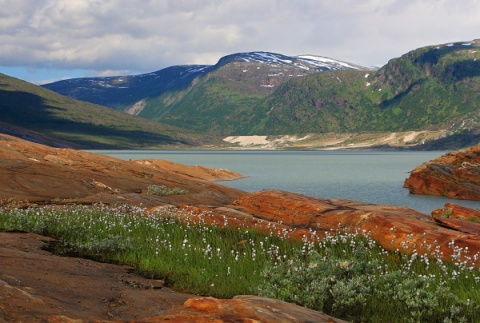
344,265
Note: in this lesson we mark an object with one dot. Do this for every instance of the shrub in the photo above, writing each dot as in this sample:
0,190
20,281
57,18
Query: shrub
162,190
351,277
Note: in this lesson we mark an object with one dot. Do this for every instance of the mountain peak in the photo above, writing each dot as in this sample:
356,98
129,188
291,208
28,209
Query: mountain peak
305,62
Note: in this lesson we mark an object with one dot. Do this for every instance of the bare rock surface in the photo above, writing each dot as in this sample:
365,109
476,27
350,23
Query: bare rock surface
455,175
459,212
35,284
39,174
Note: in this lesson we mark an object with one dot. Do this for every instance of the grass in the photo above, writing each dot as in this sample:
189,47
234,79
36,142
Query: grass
346,275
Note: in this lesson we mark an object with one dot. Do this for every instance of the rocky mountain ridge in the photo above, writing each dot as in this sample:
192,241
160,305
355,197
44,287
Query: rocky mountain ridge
203,98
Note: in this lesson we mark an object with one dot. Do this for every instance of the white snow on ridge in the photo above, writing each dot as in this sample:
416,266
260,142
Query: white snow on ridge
325,61
197,68
306,62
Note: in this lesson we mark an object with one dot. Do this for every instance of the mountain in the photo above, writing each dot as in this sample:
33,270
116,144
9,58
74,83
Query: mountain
120,91
201,97
433,88
38,114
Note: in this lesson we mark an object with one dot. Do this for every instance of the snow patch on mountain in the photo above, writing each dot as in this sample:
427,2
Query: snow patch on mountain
305,62
325,62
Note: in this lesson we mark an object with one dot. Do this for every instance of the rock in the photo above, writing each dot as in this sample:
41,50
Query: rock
459,212
34,173
36,285
242,308
455,175
459,225
75,290
393,227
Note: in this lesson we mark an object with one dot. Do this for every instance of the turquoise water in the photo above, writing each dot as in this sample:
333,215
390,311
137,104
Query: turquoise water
368,176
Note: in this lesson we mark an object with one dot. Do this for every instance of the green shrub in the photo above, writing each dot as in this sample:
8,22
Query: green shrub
162,190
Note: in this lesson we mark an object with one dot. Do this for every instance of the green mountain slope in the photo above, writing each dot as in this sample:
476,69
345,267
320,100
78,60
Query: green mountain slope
79,124
319,103
217,98
432,87
212,104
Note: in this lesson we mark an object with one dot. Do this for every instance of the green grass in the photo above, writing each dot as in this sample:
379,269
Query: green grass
346,275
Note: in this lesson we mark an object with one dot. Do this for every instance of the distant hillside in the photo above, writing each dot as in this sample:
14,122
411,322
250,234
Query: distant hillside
38,114
121,91
430,88
215,98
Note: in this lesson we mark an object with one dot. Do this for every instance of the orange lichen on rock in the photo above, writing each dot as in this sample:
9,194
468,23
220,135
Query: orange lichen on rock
393,227
243,308
459,212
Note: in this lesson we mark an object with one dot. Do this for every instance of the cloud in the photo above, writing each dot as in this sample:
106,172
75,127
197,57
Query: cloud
109,36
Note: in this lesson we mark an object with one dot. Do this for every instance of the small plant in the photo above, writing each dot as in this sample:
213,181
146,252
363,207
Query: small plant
162,190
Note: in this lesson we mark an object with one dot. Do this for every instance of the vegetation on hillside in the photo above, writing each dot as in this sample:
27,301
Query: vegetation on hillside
83,124
428,88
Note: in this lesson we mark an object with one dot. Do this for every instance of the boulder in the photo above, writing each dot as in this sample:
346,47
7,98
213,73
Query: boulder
455,175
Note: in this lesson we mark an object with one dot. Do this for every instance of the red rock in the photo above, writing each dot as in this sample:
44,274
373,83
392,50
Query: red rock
459,225
31,172
242,308
454,211
455,175
393,227
37,174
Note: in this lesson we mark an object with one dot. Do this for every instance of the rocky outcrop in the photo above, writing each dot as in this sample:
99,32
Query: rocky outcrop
35,173
294,216
393,227
243,308
455,175
459,212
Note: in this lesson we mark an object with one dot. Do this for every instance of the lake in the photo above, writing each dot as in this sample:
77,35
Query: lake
368,176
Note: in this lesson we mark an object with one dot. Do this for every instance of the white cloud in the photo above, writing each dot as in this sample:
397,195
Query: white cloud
147,35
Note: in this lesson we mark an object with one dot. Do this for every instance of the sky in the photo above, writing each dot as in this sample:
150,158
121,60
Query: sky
42,41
